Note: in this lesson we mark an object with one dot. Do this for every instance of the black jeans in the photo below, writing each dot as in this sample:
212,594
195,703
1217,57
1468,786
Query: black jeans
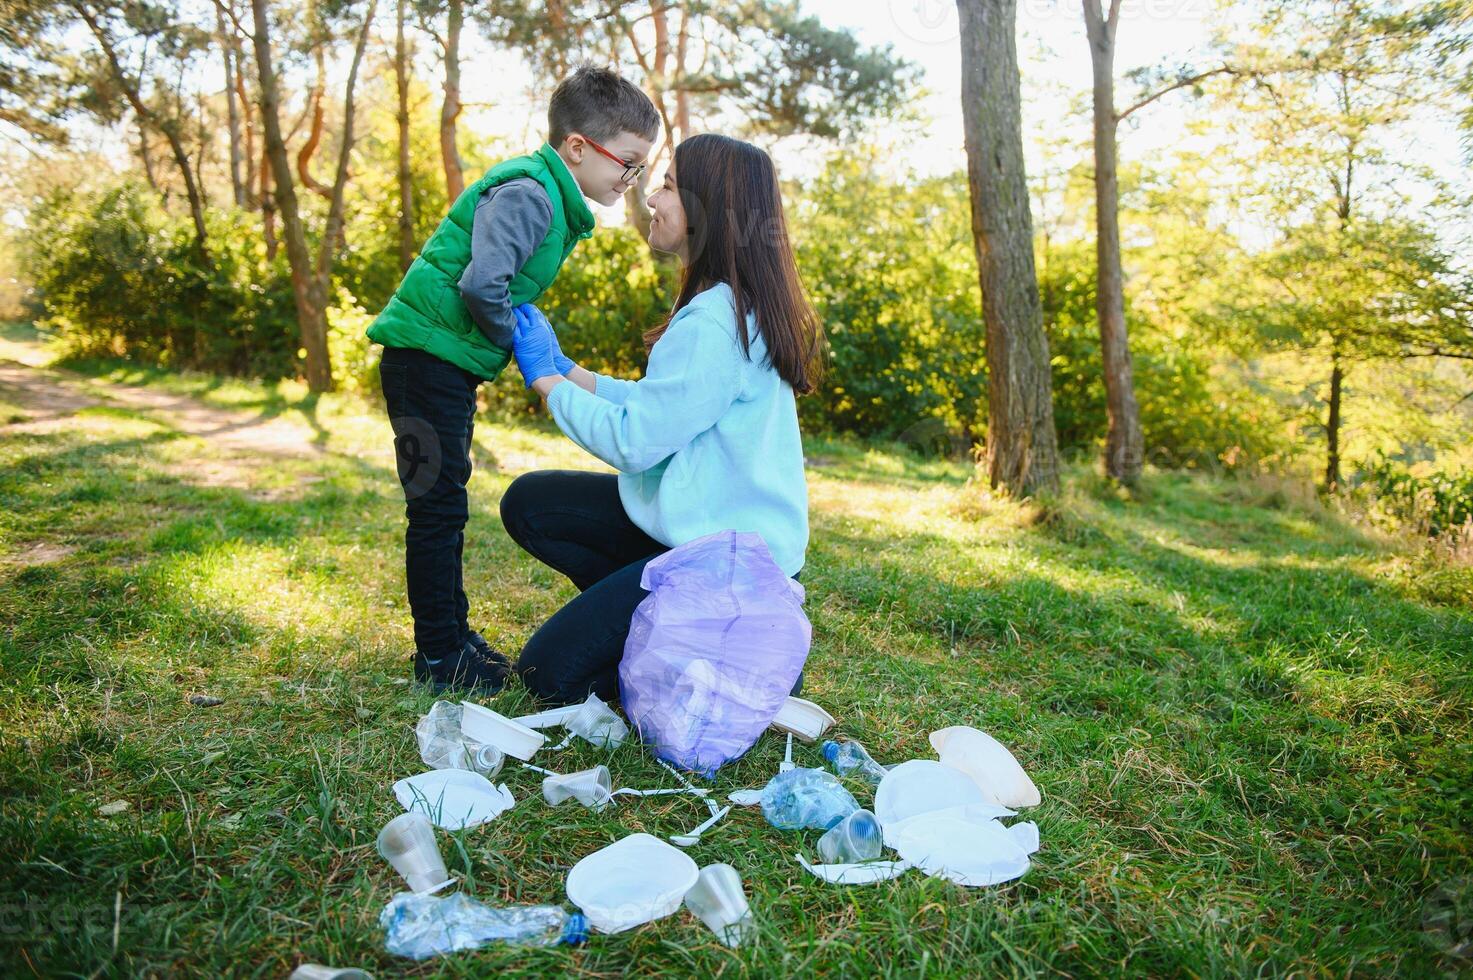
432,407
574,522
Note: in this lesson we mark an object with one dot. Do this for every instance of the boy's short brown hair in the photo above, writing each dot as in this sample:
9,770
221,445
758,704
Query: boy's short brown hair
600,104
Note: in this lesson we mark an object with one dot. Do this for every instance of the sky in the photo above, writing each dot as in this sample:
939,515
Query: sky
1052,50
1053,54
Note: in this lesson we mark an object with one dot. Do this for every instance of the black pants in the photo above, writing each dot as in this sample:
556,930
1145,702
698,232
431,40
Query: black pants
573,521
432,407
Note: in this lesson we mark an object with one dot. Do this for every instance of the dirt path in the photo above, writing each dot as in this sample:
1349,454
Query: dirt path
57,401
51,401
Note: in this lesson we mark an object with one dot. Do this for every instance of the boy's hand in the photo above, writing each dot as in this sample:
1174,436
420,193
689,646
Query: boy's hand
562,362
532,345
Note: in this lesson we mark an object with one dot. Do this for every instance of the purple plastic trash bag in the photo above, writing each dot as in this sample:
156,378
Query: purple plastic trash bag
713,650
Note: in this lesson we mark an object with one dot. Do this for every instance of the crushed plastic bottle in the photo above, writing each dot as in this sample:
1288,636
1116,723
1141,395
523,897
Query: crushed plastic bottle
442,745
438,733
806,798
421,926
849,758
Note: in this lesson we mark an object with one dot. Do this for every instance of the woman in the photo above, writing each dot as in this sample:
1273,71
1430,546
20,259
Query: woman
707,440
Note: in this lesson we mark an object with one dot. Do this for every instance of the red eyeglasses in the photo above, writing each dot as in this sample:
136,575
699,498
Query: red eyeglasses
632,171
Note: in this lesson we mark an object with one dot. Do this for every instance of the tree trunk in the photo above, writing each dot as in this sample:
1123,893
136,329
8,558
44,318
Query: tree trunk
247,118
332,235
202,155
309,295
169,128
232,111
406,187
147,159
1332,424
1022,448
314,135
682,96
450,108
267,199
1124,442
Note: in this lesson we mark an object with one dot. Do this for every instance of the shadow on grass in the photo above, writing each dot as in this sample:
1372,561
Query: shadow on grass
1170,704
270,403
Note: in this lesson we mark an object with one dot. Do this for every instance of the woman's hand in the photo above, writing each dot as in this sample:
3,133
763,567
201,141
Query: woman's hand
561,361
533,344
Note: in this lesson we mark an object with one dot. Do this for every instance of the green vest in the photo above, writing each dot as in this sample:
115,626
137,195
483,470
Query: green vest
426,312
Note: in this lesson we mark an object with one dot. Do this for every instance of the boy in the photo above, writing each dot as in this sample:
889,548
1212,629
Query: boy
449,326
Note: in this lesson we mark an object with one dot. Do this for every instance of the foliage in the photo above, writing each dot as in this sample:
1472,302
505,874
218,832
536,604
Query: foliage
368,267
762,65
116,275
890,270
1190,417
1435,502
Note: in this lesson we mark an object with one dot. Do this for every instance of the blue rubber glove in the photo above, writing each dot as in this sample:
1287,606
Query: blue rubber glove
532,345
561,361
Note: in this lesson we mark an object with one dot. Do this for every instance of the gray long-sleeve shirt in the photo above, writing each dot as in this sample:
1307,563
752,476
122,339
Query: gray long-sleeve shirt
511,220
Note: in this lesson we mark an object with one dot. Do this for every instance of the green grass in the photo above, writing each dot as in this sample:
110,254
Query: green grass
1251,728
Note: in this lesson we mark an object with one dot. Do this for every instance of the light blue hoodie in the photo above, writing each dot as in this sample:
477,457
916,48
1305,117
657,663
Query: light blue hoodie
706,441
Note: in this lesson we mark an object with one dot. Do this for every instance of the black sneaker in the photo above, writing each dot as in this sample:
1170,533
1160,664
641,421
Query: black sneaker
468,669
483,648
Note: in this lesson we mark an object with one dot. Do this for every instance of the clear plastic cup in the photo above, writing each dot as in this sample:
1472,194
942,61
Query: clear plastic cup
718,900
854,839
408,843
594,788
597,723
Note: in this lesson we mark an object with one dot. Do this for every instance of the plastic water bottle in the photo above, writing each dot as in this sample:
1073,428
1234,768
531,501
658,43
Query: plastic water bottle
850,759
421,926
806,798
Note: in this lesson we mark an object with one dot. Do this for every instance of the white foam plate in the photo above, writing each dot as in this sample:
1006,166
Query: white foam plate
632,881
866,873
453,799
964,849
919,786
551,718
988,762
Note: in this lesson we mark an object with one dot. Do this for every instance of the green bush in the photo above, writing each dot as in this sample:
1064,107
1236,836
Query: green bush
890,270
889,266
116,276
1433,502
1189,420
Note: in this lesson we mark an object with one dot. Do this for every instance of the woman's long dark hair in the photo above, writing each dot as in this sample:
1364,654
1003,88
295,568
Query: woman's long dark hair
737,234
